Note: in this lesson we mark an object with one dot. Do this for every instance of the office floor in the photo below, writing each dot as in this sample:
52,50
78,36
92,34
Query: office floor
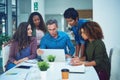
1,70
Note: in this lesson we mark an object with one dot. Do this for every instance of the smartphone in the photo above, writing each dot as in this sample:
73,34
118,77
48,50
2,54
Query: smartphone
23,67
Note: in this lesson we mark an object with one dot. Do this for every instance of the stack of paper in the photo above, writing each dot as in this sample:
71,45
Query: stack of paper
76,69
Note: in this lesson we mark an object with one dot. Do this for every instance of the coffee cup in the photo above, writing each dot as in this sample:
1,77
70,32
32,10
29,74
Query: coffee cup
65,74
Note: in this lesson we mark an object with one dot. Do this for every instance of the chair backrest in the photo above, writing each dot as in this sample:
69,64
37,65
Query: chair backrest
115,64
5,55
110,55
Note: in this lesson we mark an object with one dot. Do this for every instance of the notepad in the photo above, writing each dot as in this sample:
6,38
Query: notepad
59,53
76,69
31,61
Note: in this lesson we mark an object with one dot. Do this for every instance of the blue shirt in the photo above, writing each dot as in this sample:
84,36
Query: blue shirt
76,29
23,53
61,42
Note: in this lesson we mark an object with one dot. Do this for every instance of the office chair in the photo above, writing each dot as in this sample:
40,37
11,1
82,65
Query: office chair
115,63
5,55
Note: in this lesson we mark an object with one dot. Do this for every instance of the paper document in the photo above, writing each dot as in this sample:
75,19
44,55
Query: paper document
76,69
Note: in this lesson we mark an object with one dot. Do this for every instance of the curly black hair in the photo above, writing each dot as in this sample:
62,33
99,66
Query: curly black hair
42,24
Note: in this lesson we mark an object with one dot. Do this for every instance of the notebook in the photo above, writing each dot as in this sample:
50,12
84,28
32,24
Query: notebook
59,53
76,69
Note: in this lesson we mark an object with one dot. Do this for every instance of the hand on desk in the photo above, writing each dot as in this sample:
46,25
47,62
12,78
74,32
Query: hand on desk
21,60
39,52
76,61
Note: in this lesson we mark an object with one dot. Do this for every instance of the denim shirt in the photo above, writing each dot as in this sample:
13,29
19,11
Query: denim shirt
76,29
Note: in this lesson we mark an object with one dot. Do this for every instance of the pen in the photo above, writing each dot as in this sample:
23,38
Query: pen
11,73
77,72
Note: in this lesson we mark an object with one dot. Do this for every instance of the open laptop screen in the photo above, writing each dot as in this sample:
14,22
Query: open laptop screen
59,53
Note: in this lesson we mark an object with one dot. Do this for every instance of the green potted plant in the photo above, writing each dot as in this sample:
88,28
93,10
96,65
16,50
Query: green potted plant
43,65
51,58
3,39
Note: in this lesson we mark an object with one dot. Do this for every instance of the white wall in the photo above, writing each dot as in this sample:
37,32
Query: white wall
23,10
41,8
107,14
59,6
55,9
25,7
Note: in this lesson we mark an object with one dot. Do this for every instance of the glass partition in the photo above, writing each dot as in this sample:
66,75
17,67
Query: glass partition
2,16
4,8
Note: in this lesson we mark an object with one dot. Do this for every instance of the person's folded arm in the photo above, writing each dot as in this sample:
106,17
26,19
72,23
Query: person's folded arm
78,62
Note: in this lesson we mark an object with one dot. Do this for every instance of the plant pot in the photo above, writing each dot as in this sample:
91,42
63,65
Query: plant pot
43,75
51,64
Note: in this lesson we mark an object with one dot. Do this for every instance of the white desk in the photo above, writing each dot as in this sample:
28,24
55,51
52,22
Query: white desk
53,73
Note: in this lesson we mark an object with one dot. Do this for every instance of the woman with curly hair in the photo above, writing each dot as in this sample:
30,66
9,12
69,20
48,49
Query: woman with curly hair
95,52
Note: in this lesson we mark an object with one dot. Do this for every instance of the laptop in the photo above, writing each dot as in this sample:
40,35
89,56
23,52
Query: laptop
58,53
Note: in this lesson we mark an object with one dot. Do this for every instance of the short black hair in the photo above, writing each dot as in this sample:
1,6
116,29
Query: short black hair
71,13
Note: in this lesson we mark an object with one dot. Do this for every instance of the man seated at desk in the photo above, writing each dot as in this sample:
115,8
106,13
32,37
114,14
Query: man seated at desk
55,39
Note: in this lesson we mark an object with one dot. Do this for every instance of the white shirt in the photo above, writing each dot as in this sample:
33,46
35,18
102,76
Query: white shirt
39,35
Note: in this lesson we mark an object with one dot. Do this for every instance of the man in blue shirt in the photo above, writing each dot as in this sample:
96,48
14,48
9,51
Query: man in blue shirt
55,39
72,17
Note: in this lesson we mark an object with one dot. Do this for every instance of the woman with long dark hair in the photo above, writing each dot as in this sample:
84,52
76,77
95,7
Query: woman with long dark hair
38,26
23,45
